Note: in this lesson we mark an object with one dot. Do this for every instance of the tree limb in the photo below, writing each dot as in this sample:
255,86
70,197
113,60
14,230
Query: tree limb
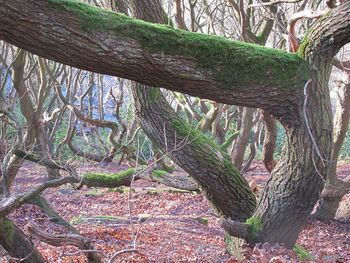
200,65
59,240
16,200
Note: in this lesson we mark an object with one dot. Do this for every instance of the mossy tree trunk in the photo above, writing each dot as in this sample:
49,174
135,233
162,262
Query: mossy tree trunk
209,67
17,244
297,181
221,183
198,155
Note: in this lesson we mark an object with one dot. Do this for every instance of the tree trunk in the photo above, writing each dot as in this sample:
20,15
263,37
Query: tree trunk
335,188
240,144
15,242
209,67
269,144
297,181
198,155
200,65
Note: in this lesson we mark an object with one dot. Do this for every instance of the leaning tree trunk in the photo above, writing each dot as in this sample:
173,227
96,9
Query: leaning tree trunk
335,188
298,179
15,242
200,157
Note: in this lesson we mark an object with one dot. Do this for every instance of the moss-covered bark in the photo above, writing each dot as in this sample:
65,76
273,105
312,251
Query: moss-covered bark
108,180
202,65
203,49
17,244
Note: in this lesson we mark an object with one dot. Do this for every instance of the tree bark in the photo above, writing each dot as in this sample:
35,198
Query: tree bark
161,56
240,144
297,181
17,244
269,144
335,188
200,65
200,157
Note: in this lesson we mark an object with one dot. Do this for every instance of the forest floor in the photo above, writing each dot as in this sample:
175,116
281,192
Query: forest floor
176,227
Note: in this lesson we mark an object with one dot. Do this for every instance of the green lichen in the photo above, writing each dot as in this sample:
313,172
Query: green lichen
231,62
197,139
159,173
254,227
306,40
302,253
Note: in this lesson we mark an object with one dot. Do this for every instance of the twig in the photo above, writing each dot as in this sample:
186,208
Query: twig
131,250
274,3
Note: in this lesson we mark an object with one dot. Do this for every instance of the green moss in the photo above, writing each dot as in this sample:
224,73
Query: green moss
93,192
229,141
107,179
7,226
7,229
159,173
254,226
194,135
154,94
231,62
234,246
303,45
302,253
202,220
305,42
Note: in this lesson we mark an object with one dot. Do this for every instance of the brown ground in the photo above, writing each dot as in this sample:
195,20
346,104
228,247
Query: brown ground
172,234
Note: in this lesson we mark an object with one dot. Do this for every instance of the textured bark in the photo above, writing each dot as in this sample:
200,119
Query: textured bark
269,144
296,182
197,64
14,241
140,53
201,158
343,212
335,188
240,144
60,240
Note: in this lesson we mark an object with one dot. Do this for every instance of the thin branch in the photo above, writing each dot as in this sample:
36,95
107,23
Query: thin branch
274,3
16,200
